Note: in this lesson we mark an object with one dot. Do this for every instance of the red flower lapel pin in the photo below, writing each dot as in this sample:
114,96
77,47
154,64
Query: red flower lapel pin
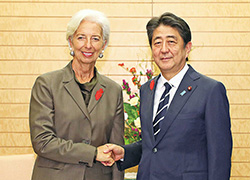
98,94
152,84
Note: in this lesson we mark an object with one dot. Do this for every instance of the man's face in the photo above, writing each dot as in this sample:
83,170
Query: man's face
168,50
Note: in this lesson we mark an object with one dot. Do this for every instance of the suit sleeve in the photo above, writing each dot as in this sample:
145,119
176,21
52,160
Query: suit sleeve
117,133
219,138
43,134
132,156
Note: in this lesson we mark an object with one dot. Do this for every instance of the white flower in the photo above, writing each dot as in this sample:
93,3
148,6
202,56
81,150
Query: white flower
134,101
125,116
137,122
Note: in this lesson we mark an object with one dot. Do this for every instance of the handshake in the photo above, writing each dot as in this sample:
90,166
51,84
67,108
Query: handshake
109,153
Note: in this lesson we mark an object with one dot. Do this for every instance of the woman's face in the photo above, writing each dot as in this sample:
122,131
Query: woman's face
87,42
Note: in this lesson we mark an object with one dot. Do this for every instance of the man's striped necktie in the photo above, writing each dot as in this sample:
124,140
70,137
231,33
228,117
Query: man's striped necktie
162,109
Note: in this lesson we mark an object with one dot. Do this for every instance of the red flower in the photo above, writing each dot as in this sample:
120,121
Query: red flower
152,84
98,94
134,80
121,64
132,70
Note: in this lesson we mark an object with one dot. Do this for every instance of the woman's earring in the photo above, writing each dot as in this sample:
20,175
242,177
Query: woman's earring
101,54
72,53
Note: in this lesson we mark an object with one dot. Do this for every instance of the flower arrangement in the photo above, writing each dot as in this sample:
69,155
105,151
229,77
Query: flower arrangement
132,131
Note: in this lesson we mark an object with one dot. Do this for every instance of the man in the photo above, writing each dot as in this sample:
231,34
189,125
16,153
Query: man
192,138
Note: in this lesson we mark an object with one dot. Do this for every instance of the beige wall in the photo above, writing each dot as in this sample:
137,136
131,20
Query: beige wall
32,40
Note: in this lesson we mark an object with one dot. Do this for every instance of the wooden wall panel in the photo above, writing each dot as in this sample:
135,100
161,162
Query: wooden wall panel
85,1
16,150
204,9
59,24
14,111
107,67
31,53
241,155
68,9
17,81
202,39
32,41
211,24
217,53
234,81
201,1
115,53
238,97
240,169
30,67
14,125
240,126
15,139
14,96
222,68
240,111
220,54
58,39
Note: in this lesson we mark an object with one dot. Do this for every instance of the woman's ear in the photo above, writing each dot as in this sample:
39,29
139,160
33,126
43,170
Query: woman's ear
72,53
104,44
70,42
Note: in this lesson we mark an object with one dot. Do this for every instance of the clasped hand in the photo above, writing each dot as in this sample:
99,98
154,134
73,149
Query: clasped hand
109,153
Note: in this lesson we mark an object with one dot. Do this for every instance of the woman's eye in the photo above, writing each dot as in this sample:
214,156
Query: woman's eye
96,38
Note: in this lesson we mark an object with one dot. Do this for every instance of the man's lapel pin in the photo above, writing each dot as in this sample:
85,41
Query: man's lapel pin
189,88
184,91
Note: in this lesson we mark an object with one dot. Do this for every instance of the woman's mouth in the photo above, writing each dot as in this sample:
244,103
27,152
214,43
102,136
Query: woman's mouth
87,54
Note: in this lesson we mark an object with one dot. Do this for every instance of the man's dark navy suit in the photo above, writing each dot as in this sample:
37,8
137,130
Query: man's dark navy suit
195,141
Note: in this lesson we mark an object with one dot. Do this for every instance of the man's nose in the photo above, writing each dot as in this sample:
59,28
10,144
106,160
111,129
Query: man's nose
165,48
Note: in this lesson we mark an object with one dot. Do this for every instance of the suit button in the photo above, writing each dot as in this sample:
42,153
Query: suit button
86,141
155,150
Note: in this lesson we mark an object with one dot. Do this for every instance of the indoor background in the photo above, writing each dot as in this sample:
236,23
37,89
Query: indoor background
32,42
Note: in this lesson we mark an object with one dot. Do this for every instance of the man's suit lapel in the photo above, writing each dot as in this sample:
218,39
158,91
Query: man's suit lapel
149,98
73,89
181,97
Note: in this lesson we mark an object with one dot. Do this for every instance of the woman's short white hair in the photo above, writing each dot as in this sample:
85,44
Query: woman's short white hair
89,15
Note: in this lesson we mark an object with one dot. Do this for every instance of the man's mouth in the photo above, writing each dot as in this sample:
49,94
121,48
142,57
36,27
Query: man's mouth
166,58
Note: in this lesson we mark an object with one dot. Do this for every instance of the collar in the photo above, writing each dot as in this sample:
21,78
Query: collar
176,80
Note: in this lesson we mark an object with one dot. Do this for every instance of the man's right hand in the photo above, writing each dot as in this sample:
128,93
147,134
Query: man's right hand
117,152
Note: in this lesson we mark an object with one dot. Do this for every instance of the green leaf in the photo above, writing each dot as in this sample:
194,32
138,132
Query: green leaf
132,112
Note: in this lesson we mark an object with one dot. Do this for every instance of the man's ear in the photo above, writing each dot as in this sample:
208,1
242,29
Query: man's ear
188,48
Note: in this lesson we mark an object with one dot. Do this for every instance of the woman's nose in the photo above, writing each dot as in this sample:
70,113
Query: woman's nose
88,43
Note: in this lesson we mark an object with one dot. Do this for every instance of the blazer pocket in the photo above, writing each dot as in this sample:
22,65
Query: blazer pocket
189,116
195,176
46,163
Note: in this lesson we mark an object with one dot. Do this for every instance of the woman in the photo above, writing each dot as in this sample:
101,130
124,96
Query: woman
74,111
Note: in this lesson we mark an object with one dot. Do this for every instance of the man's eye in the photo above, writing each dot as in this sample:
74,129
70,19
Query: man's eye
80,37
